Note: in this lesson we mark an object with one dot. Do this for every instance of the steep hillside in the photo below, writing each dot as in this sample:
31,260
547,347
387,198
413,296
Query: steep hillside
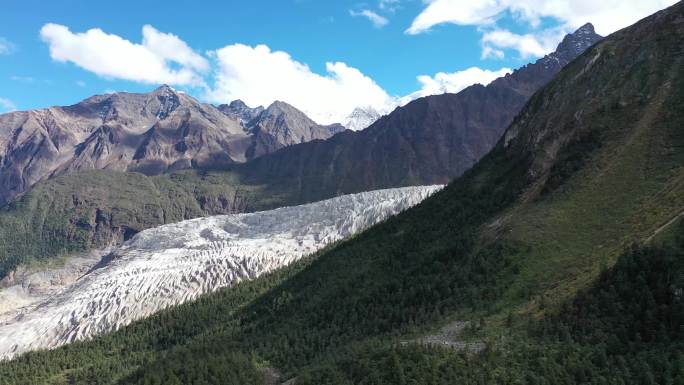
594,162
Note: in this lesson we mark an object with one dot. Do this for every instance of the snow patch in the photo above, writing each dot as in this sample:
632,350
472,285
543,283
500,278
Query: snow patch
361,118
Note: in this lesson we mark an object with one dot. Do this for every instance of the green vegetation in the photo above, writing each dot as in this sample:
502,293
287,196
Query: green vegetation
87,210
625,329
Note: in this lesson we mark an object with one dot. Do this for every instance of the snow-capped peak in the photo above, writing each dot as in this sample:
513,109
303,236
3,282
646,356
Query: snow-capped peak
361,118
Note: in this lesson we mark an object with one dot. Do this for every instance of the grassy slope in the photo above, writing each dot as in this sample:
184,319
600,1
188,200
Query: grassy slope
626,189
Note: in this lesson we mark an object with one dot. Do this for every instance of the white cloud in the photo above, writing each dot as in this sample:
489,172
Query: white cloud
528,45
81,83
454,82
607,16
260,76
6,46
23,79
377,20
461,12
161,58
389,5
170,47
7,105
491,52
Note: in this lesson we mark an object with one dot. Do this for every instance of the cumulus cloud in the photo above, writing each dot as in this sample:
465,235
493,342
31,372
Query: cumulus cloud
608,16
6,105
377,20
170,47
389,5
260,76
453,82
6,46
161,58
528,45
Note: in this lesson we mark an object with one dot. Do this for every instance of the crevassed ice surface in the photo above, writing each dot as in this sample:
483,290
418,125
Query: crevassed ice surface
176,263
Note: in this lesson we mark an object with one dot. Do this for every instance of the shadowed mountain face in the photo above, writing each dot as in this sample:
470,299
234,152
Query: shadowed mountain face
150,133
430,140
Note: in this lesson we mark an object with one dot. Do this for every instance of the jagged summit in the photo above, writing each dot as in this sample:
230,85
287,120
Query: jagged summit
361,118
241,111
577,42
238,104
587,28
281,124
164,88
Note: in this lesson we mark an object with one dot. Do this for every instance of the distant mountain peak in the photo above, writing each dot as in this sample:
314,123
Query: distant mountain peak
238,103
283,107
361,118
282,124
577,42
164,88
586,28
239,110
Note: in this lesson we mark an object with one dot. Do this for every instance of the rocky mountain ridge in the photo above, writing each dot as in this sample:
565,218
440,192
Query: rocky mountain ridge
151,133
429,141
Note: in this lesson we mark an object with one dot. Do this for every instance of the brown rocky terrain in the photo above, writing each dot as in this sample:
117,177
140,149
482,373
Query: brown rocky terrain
152,133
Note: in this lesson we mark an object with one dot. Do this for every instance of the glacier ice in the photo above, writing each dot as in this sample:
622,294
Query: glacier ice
176,263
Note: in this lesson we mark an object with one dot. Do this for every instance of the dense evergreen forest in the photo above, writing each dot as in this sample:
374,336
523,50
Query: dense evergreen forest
625,329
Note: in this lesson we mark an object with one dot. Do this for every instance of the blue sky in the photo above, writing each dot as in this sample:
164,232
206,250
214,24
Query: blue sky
370,51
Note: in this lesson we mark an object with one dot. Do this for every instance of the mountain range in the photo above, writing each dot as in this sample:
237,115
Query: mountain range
154,133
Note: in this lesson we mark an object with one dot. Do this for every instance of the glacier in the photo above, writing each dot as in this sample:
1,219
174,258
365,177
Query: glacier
177,263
